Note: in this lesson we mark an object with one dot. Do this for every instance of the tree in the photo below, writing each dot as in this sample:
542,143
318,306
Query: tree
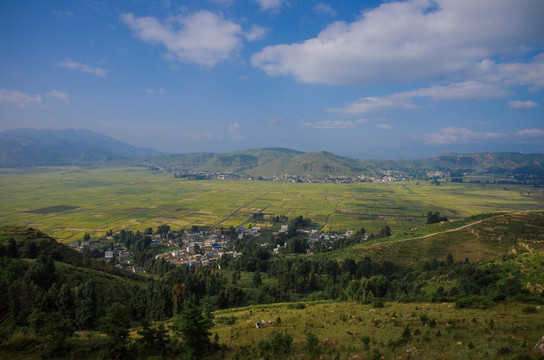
385,231
154,339
192,325
116,324
433,218
84,306
12,250
42,272
257,281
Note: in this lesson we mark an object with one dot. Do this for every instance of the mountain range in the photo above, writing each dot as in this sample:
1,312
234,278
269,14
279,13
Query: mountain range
36,147
33,147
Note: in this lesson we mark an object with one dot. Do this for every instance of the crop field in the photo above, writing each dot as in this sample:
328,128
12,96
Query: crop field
66,202
397,331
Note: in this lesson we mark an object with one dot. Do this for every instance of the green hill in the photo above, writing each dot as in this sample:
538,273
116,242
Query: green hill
277,162
476,238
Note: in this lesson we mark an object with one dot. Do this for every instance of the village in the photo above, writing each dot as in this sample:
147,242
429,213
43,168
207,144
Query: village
199,248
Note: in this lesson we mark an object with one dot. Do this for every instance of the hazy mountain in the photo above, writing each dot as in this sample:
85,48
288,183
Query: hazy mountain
31,147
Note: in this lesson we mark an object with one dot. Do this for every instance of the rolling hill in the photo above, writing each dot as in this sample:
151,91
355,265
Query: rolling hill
273,162
33,147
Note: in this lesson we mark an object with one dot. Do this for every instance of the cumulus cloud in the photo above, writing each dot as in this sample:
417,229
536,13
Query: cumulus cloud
235,133
530,133
66,12
522,105
452,135
269,4
154,91
385,126
469,90
334,124
61,95
18,98
256,32
70,64
324,9
203,38
412,40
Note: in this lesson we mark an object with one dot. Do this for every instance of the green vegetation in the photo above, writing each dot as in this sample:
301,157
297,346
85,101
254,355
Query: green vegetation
75,307
95,200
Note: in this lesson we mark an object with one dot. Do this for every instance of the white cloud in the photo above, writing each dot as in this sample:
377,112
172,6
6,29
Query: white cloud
469,90
530,133
522,105
412,40
61,95
385,126
18,98
325,9
66,12
334,124
154,91
269,4
256,32
529,73
83,68
372,104
235,133
453,135
203,38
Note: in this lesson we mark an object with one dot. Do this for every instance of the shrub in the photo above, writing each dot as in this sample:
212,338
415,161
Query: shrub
474,302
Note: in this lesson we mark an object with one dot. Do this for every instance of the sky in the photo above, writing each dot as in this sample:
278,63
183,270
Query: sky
365,79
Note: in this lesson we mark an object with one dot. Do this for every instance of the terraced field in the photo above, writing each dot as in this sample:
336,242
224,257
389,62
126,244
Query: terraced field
66,202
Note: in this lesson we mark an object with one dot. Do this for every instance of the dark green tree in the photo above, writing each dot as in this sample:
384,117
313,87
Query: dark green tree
12,250
115,325
154,340
385,231
257,281
84,304
193,325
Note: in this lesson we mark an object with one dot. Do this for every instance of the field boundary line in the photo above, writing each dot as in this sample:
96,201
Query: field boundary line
237,210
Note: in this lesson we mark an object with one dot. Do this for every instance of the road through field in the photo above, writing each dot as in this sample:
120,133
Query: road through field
238,209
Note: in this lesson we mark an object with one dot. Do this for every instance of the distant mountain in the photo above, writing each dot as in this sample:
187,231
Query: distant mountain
33,147
273,162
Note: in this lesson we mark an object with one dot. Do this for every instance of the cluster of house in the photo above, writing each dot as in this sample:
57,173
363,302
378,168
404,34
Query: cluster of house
199,250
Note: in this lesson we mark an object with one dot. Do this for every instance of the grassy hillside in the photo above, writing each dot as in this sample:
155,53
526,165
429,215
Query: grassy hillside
318,165
353,331
476,238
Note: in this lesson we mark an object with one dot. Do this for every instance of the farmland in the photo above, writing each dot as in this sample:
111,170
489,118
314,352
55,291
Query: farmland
66,202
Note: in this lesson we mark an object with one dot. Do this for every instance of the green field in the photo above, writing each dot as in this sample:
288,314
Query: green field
66,202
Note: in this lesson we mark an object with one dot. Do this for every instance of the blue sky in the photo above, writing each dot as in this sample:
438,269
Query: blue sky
359,78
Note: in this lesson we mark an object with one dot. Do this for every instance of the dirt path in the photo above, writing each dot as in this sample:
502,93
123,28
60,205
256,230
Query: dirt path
238,209
455,229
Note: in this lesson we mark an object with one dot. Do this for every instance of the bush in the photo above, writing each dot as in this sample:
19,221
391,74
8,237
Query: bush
474,302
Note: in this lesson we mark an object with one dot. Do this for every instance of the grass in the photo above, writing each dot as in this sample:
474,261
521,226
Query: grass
96,200
345,330
495,235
